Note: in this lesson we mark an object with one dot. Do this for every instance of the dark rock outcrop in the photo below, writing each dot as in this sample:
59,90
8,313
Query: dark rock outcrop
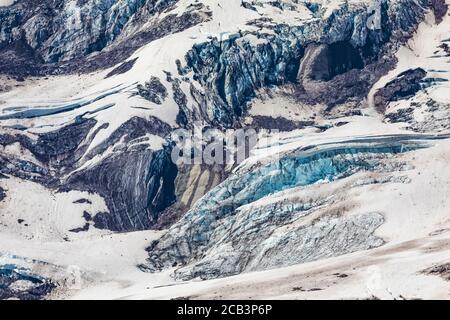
2,194
233,70
230,230
32,287
136,182
55,151
53,146
123,68
52,37
153,90
440,9
404,86
278,123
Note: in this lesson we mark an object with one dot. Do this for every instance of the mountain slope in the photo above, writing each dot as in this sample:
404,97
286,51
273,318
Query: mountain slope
347,99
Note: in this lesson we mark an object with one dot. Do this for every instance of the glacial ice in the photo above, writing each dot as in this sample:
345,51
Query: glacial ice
226,234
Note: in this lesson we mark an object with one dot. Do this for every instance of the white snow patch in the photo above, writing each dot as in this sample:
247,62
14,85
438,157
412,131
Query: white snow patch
6,3
31,211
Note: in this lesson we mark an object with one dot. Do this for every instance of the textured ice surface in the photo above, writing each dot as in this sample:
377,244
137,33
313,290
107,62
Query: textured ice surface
233,228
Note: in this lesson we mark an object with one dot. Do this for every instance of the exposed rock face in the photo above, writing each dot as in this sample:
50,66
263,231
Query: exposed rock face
331,60
153,90
55,150
152,176
130,164
442,271
232,70
404,86
199,68
191,183
56,36
435,116
151,173
328,237
16,283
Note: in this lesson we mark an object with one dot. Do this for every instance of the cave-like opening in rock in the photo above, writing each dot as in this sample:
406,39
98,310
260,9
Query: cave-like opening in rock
342,57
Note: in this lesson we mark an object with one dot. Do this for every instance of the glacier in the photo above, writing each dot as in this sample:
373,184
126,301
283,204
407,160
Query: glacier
356,92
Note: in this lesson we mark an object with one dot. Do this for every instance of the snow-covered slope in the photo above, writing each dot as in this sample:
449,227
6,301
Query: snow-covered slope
5,3
354,94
